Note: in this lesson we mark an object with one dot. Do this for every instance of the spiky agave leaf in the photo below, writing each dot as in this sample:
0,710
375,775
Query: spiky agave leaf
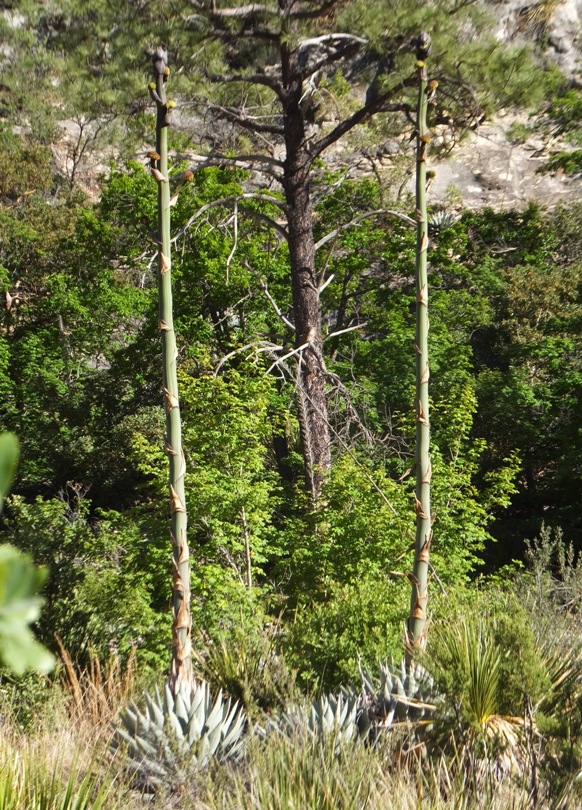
440,221
334,714
326,715
396,695
174,735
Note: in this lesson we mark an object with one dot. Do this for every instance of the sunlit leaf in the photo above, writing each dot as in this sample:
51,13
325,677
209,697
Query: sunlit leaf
19,607
8,461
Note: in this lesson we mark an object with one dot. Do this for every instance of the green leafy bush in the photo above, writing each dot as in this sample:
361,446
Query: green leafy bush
352,623
104,582
245,660
27,166
566,162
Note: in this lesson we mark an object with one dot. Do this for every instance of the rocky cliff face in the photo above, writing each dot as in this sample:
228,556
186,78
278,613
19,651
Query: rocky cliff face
488,168
557,23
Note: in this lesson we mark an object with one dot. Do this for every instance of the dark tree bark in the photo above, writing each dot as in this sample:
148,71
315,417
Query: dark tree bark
312,401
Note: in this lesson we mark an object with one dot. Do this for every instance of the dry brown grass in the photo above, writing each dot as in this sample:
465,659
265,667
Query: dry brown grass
97,692
65,745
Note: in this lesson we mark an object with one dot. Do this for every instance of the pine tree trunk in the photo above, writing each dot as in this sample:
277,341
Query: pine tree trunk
181,618
419,577
312,399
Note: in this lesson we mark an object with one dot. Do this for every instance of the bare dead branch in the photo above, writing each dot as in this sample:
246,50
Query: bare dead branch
235,241
347,329
229,312
232,562
293,352
244,122
379,212
276,307
329,59
240,162
258,345
328,281
271,349
260,8
346,45
237,12
352,455
256,78
272,223
438,579
270,298
352,413
330,39
225,202
333,186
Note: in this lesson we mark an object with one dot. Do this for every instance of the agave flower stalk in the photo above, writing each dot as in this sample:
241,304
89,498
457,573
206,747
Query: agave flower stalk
419,577
182,622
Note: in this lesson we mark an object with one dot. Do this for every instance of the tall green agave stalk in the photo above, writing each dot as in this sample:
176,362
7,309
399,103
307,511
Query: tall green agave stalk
417,618
182,622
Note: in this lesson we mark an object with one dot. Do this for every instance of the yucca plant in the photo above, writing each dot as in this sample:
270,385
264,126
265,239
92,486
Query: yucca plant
177,734
466,663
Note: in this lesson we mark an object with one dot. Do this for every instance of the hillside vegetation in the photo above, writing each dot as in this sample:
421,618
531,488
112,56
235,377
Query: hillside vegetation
291,409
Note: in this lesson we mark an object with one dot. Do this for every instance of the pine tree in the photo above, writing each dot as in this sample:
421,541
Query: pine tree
278,61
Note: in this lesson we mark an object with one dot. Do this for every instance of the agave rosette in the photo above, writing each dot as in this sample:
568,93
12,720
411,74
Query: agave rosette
174,735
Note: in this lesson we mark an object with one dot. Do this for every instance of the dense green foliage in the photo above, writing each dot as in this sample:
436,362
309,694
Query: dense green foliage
562,119
287,596
80,372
